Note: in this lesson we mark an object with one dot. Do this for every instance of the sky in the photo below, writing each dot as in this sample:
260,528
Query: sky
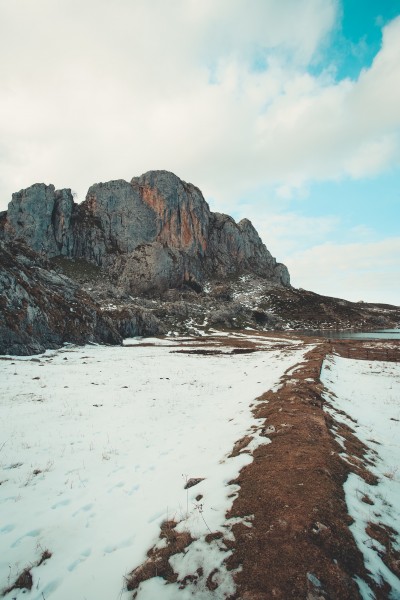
286,112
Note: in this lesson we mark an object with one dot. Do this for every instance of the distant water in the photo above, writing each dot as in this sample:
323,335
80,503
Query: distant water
379,334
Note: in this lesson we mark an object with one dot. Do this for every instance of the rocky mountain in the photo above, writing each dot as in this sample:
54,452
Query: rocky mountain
144,258
154,233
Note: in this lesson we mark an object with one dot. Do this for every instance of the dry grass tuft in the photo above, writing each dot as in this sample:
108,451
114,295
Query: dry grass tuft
24,581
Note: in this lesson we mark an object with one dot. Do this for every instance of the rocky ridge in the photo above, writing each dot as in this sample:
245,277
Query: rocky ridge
154,233
145,258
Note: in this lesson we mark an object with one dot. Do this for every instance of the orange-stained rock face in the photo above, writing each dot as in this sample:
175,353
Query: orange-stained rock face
91,203
190,228
154,200
119,218
179,225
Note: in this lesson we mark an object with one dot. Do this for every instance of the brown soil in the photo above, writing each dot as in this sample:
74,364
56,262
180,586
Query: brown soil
386,536
294,489
367,350
299,545
24,581
157,563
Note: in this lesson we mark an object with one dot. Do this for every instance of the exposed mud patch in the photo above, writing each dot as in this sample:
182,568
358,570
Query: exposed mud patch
157,563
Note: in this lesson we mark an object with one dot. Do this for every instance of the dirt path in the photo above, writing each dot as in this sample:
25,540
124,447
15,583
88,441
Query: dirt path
299,545
294,489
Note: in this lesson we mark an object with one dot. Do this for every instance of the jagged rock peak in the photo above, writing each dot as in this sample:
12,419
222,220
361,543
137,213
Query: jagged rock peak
156,206
41,216
155,230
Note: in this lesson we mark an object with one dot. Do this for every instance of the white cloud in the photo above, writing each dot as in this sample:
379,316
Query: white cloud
287,233
293,27
358,271
115,86
100,90
216,91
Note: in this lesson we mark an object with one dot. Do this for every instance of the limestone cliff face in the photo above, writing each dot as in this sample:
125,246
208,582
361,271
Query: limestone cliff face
237,247
41,217
113,219
182,214
155,232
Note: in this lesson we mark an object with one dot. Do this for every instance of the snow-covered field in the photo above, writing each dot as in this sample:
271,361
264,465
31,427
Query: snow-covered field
369,393
96,445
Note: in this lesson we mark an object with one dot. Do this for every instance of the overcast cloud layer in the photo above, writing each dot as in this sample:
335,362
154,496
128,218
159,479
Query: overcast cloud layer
229,95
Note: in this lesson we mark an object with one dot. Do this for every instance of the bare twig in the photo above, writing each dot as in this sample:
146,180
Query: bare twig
200,509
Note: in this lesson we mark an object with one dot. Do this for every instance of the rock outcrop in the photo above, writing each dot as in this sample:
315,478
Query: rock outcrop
144,237
154,233
42,309
237,247
40,216
145,257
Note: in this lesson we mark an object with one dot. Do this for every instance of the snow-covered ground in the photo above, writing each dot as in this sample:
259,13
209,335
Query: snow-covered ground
369,393
96,445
